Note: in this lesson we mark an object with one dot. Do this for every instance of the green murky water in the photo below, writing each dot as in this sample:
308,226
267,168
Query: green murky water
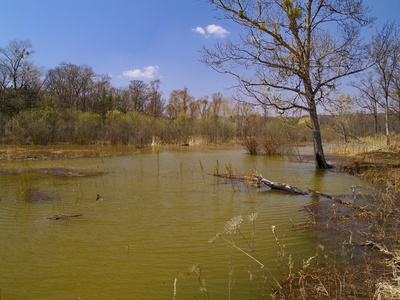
152,223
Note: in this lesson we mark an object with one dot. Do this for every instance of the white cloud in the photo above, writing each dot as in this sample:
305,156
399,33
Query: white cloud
216,30
199,30
148,72
212,30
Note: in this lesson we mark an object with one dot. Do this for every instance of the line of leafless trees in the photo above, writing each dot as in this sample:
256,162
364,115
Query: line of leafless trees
72,104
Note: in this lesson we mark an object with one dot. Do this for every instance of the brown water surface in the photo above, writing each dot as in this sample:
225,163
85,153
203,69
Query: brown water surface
151,223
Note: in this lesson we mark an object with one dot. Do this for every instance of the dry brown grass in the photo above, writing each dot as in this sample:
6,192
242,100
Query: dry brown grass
372,159
365,145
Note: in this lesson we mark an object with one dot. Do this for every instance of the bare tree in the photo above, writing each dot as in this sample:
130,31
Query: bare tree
139,95
342,113
387,45
15,63
155,105
396,93
203,102
194,109
71,85
101,94
292,53
216,103
368,97
179,102
19,78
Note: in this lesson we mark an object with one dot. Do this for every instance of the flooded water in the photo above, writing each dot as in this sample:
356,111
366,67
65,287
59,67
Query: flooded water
152,222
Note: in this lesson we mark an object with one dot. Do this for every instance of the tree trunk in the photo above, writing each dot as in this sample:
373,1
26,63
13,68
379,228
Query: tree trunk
319,156
376,116
387,120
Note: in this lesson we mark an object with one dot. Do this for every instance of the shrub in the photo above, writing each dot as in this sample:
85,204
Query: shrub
36,126
88,127
132,128
275,140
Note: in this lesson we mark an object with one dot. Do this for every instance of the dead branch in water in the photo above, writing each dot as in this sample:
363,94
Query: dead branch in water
340,201
63,216
258,179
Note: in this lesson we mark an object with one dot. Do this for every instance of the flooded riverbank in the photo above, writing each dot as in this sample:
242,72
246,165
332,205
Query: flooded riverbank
146,218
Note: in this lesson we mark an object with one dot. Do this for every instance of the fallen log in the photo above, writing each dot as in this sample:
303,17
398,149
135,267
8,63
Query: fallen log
340,201
280,186
62,216
257,179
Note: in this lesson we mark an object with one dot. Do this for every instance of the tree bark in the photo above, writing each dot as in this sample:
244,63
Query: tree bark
319,156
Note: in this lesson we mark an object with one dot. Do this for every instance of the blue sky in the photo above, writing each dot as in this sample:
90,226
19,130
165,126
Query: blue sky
132,39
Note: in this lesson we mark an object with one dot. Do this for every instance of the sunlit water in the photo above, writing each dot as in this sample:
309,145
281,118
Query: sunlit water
153,222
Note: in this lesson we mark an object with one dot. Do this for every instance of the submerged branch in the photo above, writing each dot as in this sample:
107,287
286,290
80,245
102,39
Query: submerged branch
258,179
63,216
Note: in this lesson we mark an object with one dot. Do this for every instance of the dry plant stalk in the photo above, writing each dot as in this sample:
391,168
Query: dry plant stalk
216,172
203,286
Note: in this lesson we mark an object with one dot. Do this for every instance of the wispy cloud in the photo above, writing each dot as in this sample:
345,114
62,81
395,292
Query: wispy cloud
212,30
147,72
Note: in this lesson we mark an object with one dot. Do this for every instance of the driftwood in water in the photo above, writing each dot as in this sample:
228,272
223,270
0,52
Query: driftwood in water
280,186
258,179
63,216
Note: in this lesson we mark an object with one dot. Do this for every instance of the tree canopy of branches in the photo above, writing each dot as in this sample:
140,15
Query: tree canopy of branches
179,102
293,53
368,97
19,78
70,85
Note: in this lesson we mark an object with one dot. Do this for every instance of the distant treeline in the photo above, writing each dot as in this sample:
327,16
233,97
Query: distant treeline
72,104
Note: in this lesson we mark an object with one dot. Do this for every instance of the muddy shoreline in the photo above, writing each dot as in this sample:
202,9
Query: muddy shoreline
27,153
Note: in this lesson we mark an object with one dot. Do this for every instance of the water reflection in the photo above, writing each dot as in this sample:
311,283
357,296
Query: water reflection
156,214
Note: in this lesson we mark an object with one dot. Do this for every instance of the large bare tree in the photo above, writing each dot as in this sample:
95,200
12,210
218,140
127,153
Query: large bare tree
291,54
139,95
70,85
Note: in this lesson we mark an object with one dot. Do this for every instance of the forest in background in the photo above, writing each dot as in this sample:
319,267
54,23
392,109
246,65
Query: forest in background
72,104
